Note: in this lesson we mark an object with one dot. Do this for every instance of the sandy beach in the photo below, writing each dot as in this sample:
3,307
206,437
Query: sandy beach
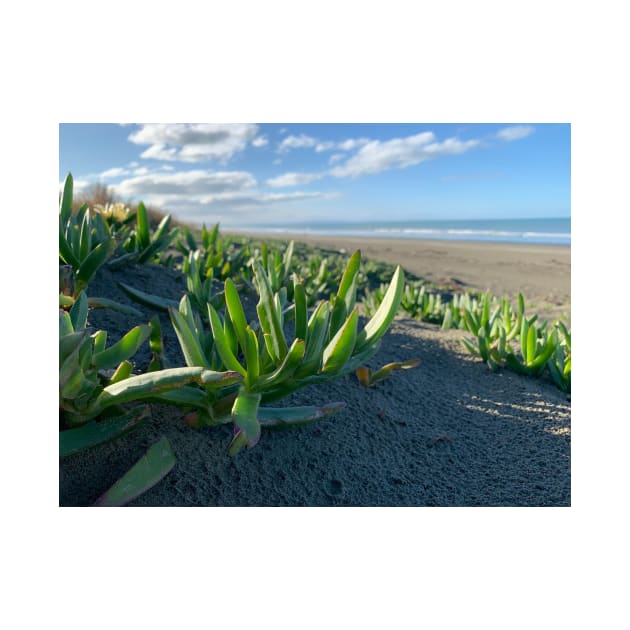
541,272
447,433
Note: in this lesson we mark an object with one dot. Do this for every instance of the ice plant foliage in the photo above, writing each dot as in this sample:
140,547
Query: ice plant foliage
368,377
139,245
85,241
94,377
217,258
496,327
322,345
559,364
232,365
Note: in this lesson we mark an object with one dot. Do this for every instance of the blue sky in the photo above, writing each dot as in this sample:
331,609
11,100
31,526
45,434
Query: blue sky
244,174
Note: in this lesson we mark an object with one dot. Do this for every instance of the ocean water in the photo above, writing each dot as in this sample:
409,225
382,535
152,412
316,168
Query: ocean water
541,231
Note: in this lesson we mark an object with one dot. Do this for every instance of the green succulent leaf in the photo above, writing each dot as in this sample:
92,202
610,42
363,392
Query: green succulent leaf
386,370
157,245
381,320
524,336
65,323
338,316
162,229
502,344
447,322
142,227
183,396
222,343
470,345
301,314
65,301
72,379
151,468
85,238
339,350
155,338
347,285
286,259
188,341
122,372
285,370
147,385
93,433
268,315
66,252
154,301
79,312
99,302
65,204
68,343
343,302
483,344
315,340
530,347
245,417
251,358
123,349
95,259
545,353
485,309
100,339
124,259
295,416
472,322
237,314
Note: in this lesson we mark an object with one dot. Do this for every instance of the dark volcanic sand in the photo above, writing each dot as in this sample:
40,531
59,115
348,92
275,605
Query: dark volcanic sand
447,433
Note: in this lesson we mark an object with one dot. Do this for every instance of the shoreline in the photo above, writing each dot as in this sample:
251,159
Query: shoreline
541,272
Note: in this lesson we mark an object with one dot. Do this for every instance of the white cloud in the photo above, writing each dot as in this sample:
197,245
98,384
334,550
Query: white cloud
260,141
335,158
250,208
377,156
277,161
295,196
160,152
113,172
344,145
87,180
515,133
189,183
241,199
324,146
306,142
193,142
296,142
192,194
293,179
352,143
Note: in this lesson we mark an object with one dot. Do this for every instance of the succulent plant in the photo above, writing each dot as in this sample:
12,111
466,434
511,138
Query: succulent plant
272,364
